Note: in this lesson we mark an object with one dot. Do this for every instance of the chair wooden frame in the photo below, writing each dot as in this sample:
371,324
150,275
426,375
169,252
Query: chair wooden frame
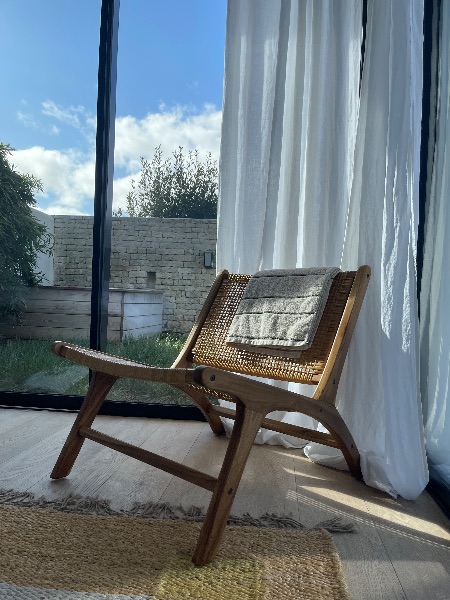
222,372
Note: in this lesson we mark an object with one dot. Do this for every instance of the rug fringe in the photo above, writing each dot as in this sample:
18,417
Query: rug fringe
161,510
336,525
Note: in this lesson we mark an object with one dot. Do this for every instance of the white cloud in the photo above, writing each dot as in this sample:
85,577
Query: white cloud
71,115
179,126
68,175
77,117
169,128
29,120
74,116
122,185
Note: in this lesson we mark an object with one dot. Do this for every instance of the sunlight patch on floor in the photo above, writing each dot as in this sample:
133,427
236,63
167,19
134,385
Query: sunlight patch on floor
308,475
403,524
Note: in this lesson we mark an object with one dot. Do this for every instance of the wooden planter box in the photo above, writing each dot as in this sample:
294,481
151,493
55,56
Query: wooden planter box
63,313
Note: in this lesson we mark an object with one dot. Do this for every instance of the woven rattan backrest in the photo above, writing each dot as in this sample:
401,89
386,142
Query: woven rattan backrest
211,349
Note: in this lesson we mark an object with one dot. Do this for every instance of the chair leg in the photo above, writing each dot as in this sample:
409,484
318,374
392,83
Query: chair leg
244,432
349,450
98,390
204,405
341,433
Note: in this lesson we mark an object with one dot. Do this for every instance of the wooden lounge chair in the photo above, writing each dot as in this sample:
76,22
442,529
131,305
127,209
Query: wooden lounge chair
221,373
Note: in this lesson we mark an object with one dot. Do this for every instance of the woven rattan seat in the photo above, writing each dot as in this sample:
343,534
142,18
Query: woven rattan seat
211,349
207,367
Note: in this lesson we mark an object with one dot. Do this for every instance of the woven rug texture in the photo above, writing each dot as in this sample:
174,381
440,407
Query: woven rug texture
48,554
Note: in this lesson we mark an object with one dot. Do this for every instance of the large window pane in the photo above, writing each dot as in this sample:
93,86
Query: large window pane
170,98
48,69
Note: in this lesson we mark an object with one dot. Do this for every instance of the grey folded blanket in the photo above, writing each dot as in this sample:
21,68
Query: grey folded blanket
280,310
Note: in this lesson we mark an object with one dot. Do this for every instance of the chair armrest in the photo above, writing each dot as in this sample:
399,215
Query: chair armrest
260,396
121,367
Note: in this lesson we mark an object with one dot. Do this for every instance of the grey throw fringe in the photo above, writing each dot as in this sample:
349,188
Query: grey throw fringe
160,510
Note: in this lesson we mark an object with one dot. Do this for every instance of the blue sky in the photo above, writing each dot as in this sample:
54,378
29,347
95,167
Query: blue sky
169,88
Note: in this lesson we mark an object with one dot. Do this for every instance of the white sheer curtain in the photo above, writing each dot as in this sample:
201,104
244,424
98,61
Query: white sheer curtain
435,289
311,175
288,134
379,396
280,178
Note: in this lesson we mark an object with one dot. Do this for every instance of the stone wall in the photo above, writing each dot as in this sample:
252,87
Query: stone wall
146,253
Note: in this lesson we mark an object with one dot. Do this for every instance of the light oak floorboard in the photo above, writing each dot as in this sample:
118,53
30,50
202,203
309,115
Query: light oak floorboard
95,464
9,417
138,483
401,549
29,427
324,493
417,541
253,496
30,463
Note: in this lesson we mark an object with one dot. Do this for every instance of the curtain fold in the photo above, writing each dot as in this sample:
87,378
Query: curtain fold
435,288
382,232
287,135
311,174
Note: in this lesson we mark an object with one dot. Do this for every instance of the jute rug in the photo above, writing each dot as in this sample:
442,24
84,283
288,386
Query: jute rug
54,554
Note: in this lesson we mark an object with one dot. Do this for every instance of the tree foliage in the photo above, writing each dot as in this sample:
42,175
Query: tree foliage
177,187
21,236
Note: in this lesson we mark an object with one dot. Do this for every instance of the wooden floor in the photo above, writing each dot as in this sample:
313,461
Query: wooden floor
401,549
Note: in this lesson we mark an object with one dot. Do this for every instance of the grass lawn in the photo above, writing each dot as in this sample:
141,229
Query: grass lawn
29,365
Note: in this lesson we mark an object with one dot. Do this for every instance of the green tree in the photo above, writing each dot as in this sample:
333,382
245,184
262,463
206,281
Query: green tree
177,187
21,237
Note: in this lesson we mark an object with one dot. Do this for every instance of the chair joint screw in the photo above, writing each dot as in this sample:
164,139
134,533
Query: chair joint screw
230,491
212,378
